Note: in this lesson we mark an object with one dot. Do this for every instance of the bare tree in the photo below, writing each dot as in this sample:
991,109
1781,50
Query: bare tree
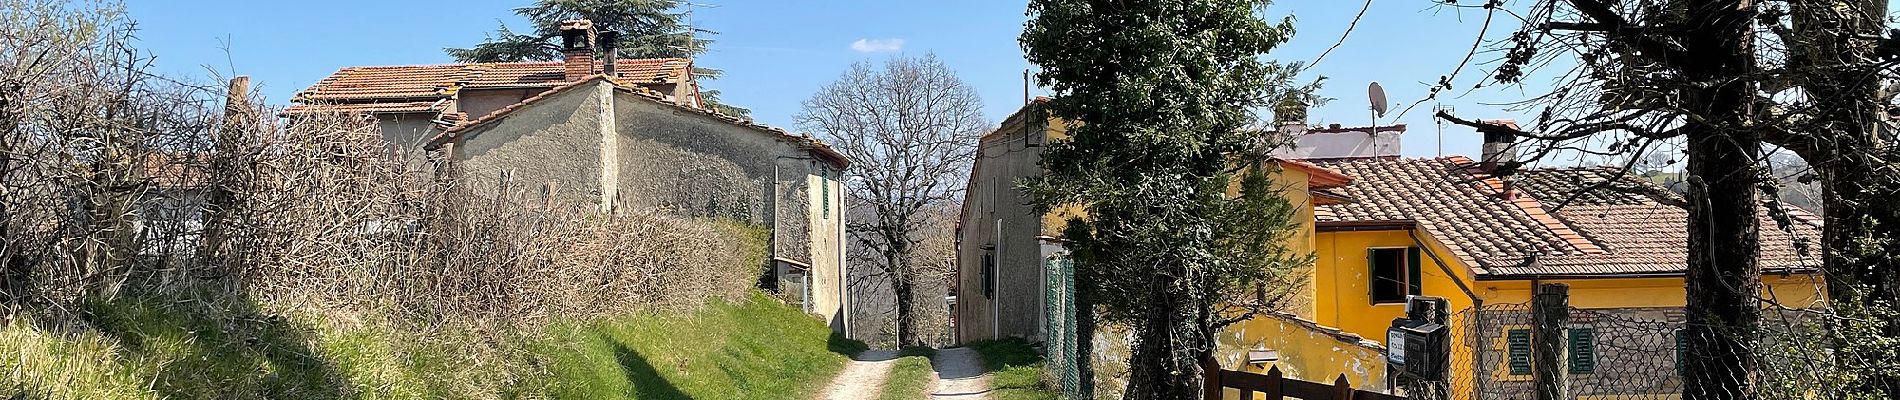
1732,80
911,129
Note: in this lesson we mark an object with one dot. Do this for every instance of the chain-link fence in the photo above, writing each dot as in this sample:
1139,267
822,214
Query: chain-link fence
1622,353
1062,366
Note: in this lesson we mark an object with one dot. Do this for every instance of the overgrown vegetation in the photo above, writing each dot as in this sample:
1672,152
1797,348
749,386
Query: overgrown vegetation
1161,138
1015,369
165,239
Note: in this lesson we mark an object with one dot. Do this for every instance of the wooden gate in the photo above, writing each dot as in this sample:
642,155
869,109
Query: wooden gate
1274,386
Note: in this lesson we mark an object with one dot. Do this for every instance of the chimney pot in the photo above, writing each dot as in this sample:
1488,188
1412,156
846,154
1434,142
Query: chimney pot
610,53
1497,148
577,47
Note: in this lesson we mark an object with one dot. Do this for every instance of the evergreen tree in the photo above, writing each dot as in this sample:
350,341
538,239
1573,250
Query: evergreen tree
1170,245
648,29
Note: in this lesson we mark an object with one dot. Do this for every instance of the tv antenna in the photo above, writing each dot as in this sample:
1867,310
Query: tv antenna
1442,109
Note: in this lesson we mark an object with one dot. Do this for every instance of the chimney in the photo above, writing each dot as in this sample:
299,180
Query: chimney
609,49
1289,116
577,44
1497,144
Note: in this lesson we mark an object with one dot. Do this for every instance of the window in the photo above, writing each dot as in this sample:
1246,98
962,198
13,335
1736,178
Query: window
1518,342
1394,274
1583,350
987,275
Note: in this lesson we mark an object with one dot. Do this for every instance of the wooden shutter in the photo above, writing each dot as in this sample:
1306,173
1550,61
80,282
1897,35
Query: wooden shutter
1518,348
1412,272
1583,350
987,274
1682,349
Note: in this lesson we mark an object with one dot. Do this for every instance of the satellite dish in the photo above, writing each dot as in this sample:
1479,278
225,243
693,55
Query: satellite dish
1377,95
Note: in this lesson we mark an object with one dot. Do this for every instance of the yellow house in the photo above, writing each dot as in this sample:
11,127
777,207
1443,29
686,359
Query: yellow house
1446,227
1010,281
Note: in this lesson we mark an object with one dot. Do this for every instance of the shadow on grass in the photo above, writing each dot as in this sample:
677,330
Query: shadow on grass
647,382
837,343
231,350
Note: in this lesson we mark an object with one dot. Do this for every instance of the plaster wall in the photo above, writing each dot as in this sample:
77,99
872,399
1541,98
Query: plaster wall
554,143
998,221
1344,145
480,102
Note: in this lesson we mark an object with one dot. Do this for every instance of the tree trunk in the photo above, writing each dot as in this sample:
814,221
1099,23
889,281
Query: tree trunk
1839,63
897,266
1723,281
1171,325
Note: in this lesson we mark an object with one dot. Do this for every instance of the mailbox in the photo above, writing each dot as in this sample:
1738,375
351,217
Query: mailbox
1418,349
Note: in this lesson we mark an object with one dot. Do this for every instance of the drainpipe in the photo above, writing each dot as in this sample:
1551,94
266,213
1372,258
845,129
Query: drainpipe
844,272
1475,301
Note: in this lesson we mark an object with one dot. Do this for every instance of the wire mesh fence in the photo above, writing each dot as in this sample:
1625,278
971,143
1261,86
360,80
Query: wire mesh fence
1627,353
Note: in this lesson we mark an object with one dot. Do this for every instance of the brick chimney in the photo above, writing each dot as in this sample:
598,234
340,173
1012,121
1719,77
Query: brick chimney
577,45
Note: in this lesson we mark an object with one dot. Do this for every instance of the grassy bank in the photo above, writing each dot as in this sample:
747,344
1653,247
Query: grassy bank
1015,369
132,349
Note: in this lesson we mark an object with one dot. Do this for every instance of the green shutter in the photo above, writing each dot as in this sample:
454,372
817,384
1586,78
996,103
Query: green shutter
1518,342
1372,275
1412,272
987,275
1682,349
827,195
1583,350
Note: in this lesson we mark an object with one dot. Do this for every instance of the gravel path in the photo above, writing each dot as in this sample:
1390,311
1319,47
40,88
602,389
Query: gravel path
960,375
863,378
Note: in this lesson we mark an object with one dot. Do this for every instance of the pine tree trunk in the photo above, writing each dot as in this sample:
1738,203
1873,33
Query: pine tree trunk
1723,281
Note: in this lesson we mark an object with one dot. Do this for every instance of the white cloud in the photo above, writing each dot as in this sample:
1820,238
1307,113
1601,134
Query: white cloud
877,45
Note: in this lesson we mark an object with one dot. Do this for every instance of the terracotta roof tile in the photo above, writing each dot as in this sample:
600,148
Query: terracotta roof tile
1612,225
394,83
389,107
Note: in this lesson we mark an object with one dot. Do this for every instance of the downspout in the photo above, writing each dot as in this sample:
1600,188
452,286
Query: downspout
844,272
1477,307
1475,301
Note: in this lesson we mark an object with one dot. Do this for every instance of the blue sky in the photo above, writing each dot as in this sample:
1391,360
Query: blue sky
777,53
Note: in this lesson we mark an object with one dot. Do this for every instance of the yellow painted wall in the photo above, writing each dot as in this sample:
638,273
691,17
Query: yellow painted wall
1344,300
1306,353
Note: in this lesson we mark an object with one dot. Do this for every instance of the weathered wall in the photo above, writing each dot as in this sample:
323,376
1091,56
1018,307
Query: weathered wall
407,132
557,141
478,103
998,221
825,215
1307,351
694,164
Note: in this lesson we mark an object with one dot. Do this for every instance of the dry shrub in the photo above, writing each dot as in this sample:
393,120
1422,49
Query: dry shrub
323,213
116,181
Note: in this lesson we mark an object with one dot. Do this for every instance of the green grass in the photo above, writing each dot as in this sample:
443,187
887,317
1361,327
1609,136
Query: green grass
754,349
1015,369
911,375
143,349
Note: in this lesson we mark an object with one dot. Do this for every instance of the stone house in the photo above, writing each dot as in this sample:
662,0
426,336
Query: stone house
616,135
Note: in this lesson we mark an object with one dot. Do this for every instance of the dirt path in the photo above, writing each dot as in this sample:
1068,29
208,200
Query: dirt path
960,375
863,378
